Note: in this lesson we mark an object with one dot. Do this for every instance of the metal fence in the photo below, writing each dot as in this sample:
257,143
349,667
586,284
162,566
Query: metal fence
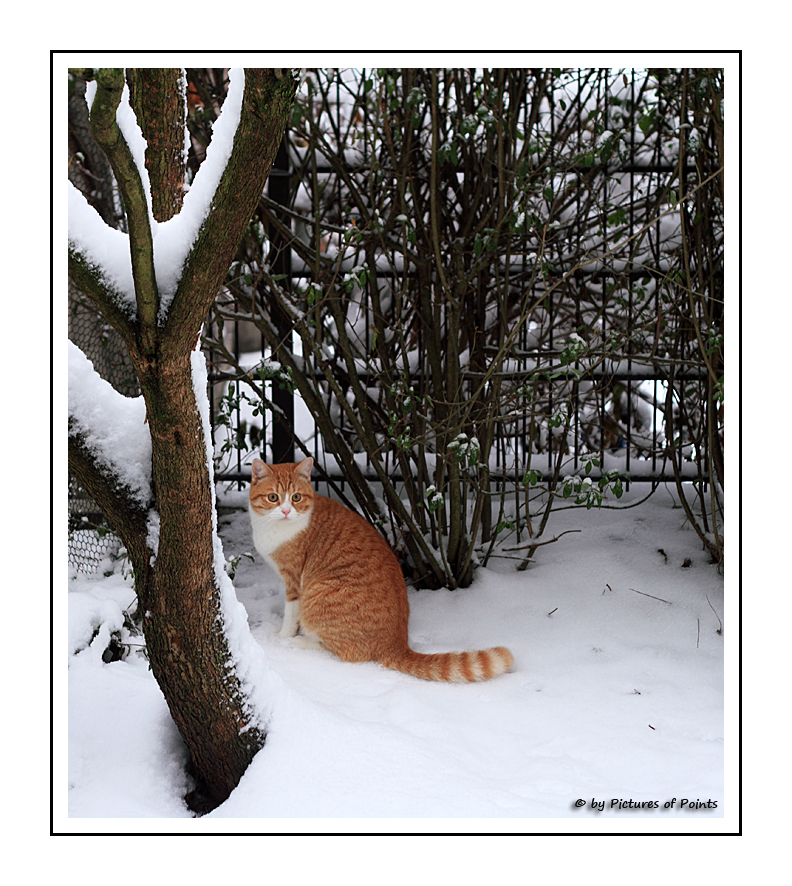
625,403
600,354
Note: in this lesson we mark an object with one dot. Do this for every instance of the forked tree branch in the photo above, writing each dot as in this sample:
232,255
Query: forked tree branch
266,105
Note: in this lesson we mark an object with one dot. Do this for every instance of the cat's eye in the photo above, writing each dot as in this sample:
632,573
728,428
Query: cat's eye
273,496
296,497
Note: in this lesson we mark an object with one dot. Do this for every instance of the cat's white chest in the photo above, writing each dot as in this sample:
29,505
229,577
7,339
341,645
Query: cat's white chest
270,532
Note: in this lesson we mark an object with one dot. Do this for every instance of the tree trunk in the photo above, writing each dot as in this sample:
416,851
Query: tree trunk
182,620
175,575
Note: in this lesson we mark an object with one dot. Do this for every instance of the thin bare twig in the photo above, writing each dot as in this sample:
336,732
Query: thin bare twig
644,594
538,544
720,623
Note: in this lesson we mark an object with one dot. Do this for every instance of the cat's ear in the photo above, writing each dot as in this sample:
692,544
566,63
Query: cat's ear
259,471
303,469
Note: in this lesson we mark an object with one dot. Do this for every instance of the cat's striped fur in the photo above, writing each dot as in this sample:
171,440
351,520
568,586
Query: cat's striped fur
344,588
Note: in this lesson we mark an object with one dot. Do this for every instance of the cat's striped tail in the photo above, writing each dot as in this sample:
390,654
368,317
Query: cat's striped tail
453,667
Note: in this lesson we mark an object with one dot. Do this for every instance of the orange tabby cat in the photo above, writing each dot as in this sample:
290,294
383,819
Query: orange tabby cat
344,587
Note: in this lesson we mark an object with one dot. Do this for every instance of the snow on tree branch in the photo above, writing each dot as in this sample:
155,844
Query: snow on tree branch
175,238
103,248
113,427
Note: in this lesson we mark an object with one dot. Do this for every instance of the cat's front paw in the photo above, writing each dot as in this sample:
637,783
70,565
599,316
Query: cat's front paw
286,633
291,620
308,641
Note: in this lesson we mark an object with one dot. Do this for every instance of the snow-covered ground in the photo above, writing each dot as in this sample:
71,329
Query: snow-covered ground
616,694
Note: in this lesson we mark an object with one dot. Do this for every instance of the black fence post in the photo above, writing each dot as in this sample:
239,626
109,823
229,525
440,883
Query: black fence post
278,189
